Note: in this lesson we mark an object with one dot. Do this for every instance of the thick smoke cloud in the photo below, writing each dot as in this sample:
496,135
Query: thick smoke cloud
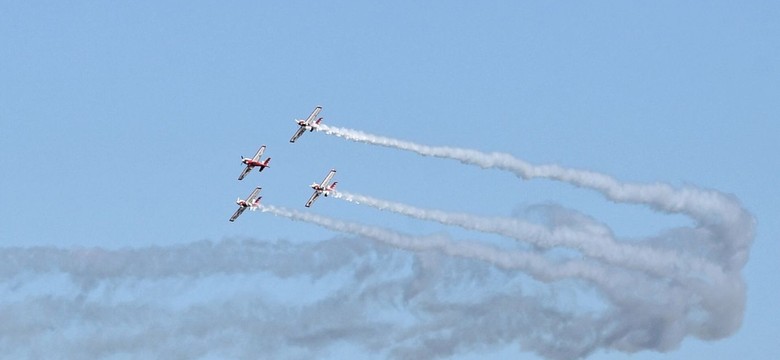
129,302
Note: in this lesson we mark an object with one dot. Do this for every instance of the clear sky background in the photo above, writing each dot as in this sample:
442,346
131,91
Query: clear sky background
121,127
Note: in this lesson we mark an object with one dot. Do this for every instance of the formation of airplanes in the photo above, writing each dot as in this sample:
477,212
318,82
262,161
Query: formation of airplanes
252,201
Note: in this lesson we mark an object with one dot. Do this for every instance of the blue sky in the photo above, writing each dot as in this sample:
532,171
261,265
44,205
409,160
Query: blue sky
121,126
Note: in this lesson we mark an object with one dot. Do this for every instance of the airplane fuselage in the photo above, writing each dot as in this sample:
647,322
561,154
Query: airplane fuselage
244,203
309,127
320,190
250,162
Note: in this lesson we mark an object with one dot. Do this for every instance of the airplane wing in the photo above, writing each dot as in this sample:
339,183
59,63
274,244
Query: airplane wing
298,134
246,171
237,214
312,198
253,195
259,153
313,115
327,178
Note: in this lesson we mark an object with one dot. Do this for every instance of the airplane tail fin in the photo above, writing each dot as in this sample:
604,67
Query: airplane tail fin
265,164
315,124
333,186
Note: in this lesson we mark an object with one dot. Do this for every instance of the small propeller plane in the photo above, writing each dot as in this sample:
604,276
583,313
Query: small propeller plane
322,188
308,124
254,161
253,201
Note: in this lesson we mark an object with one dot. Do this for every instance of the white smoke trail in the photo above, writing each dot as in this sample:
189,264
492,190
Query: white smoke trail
699,203
714,208
718,246
592,239
535,265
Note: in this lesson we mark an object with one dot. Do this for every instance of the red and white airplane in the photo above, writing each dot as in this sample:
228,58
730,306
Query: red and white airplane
254,161
253,201
308,124
322,188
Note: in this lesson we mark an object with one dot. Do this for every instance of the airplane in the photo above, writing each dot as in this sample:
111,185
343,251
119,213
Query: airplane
308,124
322,188
254,161
253,201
